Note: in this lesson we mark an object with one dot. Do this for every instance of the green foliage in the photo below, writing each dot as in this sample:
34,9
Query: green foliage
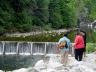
60,14
49,37
90,47
2,30
23,15
91,36
40,12
91,6
47,27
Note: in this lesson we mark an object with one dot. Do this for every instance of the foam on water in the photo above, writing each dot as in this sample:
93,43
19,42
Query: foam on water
26,54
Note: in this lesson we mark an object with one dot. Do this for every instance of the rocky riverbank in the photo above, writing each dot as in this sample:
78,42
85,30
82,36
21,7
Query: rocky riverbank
52,65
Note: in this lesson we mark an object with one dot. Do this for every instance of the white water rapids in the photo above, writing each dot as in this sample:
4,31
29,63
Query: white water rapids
53,65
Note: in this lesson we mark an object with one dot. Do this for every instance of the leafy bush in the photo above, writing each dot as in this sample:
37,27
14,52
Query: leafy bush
90,47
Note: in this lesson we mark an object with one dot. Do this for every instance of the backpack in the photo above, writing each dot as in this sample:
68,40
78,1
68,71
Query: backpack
63,44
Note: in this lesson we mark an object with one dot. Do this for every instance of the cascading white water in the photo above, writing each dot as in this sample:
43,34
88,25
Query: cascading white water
1,48
51,48
11,47
24,48
38,48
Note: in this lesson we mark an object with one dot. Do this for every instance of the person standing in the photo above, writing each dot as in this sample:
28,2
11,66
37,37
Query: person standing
84,37
64,51
79,46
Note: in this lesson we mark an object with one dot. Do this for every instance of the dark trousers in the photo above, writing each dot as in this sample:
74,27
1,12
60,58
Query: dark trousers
79,54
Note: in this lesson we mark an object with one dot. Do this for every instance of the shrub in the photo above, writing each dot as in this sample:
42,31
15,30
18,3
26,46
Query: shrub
90,47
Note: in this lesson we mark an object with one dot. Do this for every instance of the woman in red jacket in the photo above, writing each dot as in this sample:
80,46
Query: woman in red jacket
79,46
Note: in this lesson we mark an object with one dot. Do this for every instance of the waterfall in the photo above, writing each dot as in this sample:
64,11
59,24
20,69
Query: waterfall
1,47
10,47
51,48
27,48
38,48
24,48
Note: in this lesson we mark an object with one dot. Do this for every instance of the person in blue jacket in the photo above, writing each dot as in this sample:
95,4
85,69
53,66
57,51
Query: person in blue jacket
65,50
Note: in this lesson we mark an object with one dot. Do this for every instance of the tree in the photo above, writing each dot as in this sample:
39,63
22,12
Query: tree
22,17
40,12
55,17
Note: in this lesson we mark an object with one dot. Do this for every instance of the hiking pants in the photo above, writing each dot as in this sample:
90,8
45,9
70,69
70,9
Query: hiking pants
79,54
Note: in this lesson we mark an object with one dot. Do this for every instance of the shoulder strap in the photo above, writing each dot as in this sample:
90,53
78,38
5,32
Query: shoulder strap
66,46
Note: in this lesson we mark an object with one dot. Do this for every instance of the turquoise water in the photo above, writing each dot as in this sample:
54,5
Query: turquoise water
13,62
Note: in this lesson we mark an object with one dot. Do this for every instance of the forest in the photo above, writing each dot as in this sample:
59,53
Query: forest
32,15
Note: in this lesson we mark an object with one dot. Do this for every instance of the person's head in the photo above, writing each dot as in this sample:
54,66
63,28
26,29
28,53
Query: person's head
82,32
78,32
66,34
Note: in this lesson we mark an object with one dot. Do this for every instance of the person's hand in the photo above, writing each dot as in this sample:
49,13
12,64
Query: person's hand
73,44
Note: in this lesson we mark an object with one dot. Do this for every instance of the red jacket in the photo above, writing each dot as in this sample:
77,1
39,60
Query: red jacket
79,42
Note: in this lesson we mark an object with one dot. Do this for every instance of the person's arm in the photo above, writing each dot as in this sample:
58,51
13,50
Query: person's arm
57,47
69,44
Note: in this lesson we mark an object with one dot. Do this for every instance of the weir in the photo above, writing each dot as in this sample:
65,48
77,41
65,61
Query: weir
27,48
